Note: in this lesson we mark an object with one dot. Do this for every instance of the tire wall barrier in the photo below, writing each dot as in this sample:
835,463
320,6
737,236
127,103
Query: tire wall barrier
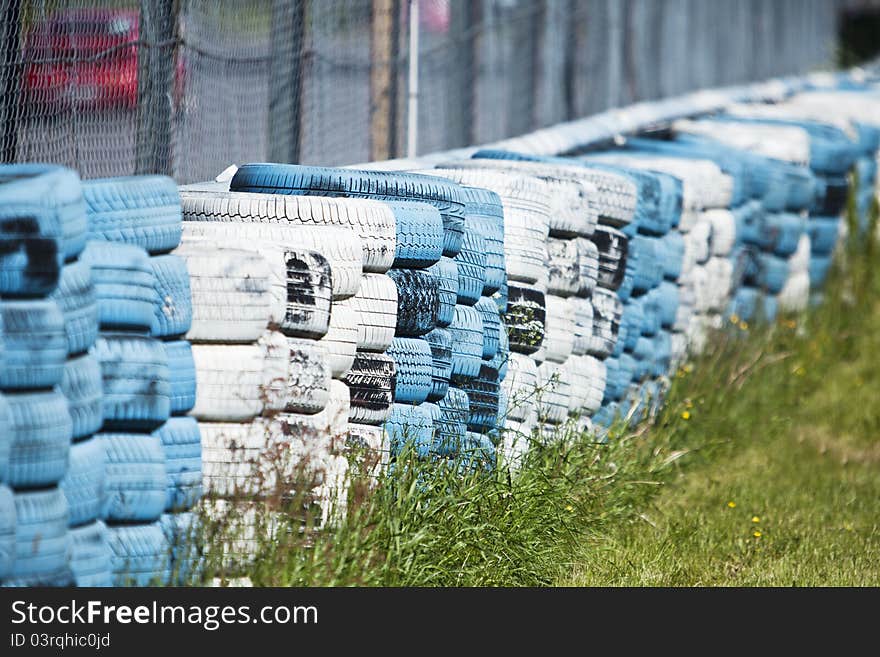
171,353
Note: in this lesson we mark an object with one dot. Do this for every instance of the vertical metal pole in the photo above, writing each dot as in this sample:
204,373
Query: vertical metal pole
286,73
158,20
10,65
412,114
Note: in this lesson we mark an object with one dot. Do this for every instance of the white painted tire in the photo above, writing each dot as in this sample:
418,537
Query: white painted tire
588,261
720,282
341,339
308,381
340,246
373,221
526,201
615,198
799,262
370,448
795,294
230,382
559,331
583,325
699,239
376,308
564,267
519,386
231,296
554,393
723,230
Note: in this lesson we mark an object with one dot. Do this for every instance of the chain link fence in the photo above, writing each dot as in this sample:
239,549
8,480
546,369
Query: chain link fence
187,87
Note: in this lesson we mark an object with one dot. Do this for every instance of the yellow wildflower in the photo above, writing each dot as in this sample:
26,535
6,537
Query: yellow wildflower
756,534
756,519
569,508
731,504
734,319
744,325
685,416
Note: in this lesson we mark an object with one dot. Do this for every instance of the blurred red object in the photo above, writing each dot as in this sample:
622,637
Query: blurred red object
86,58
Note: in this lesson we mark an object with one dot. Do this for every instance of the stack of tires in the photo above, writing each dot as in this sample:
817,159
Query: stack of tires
644,348
556,342
785,263
436,338
854,110
42,233
151,461
307,275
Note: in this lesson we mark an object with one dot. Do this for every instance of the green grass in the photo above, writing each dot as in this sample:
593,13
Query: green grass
782,421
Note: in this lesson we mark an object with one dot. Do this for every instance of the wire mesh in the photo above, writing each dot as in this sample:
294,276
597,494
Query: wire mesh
187,87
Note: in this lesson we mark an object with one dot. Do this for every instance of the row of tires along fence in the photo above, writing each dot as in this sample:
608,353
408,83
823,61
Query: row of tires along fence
175,356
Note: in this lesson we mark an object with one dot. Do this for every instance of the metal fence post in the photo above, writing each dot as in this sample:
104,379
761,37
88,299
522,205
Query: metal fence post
10,66
156,80
286,71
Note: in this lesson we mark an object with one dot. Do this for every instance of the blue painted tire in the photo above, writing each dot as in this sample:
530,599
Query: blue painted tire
446,273
613,379
450,422
418,301
823,232
143,211
484,210
419,232
140,555
42,539
91,556
184,533
467,343
673,250
7,531
647,270
502,356
137,390
173,312
483,398
182,373
414,366
667,299
40,433
135,480
76,298
819,268
783,230
34,344
650,314
631,323
773,272
643,355
411,427
82,385
471,261
662,360
46,205
323,181
124,285
83,485
440,341
491,327
181,443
